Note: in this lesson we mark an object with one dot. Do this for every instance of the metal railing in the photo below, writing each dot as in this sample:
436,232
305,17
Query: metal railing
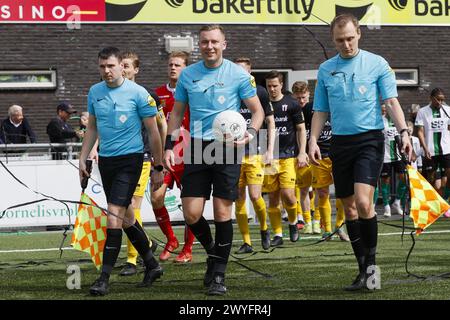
39,151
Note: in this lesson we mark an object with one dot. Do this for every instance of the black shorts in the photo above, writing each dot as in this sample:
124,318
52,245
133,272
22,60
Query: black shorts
205,173
356,159
398,166
436,162
120,176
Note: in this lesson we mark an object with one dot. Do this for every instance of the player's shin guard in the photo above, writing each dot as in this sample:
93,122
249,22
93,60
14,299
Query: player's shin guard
242,221
260,210
340,213
163,219
325,212
139,239
202,232
275,220
111,250
354,233
224,241
386,193
369,235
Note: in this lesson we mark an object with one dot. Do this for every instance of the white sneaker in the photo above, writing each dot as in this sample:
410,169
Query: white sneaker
397,208
387,211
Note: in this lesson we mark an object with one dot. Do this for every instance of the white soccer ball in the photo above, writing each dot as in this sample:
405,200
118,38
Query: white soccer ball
229,126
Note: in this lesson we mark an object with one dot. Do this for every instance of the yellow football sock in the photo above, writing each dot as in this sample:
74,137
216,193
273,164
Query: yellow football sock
131,250
291,211
340,214
260,210
242,221
298,197
307,216
275,220
325,213
316,215
313,202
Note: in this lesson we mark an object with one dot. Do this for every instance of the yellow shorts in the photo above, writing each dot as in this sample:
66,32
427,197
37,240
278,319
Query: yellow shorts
143,180
252,171
281,175
304,177
322,174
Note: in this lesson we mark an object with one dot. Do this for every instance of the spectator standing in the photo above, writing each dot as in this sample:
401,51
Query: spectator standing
59,131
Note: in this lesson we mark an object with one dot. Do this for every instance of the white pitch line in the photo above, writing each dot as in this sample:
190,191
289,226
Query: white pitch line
286,238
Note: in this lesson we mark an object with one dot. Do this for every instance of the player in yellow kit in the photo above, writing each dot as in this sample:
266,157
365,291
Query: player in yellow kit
303,190
130,61
290,153
252,170
322,178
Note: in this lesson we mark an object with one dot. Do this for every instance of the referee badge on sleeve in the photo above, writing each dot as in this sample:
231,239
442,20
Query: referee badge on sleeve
252,81
151,101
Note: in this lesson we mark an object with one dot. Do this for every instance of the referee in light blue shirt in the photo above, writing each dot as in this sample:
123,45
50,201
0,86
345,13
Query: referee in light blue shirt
349,87
117,108
211,86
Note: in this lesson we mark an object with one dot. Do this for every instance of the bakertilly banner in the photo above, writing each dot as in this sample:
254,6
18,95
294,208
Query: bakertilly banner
308,12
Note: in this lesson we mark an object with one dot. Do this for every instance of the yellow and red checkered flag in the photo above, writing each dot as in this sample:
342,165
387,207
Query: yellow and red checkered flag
89,233
426,203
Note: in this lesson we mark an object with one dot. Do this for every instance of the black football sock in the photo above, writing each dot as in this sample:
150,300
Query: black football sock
354,233
369,235
139,239
202,232
111,251
224,240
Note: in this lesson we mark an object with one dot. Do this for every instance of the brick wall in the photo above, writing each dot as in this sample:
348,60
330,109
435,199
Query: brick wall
73,54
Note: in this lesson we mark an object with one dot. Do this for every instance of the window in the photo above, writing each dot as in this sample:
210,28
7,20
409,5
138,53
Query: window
32,79
407,77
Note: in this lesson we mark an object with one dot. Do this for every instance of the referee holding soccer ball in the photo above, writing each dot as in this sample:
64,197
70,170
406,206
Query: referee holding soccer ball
211,86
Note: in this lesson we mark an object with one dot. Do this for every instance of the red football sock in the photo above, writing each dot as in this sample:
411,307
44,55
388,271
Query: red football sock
163,219
188,239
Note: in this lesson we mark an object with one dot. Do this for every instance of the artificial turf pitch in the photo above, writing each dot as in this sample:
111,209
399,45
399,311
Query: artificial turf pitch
297,271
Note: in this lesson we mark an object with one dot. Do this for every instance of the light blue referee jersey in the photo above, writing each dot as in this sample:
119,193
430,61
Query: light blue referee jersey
350,89
119,113
211,91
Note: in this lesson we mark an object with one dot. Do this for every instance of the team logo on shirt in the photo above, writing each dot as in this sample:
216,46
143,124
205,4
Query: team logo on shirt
252,81
151,101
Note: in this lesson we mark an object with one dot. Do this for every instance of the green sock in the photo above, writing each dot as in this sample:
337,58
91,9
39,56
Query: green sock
385,192
375,195
446,193
401,190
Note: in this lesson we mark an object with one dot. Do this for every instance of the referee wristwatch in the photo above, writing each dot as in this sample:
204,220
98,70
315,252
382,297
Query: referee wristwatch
159,168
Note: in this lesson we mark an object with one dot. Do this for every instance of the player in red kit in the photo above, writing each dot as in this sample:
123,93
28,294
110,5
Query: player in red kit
177,62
